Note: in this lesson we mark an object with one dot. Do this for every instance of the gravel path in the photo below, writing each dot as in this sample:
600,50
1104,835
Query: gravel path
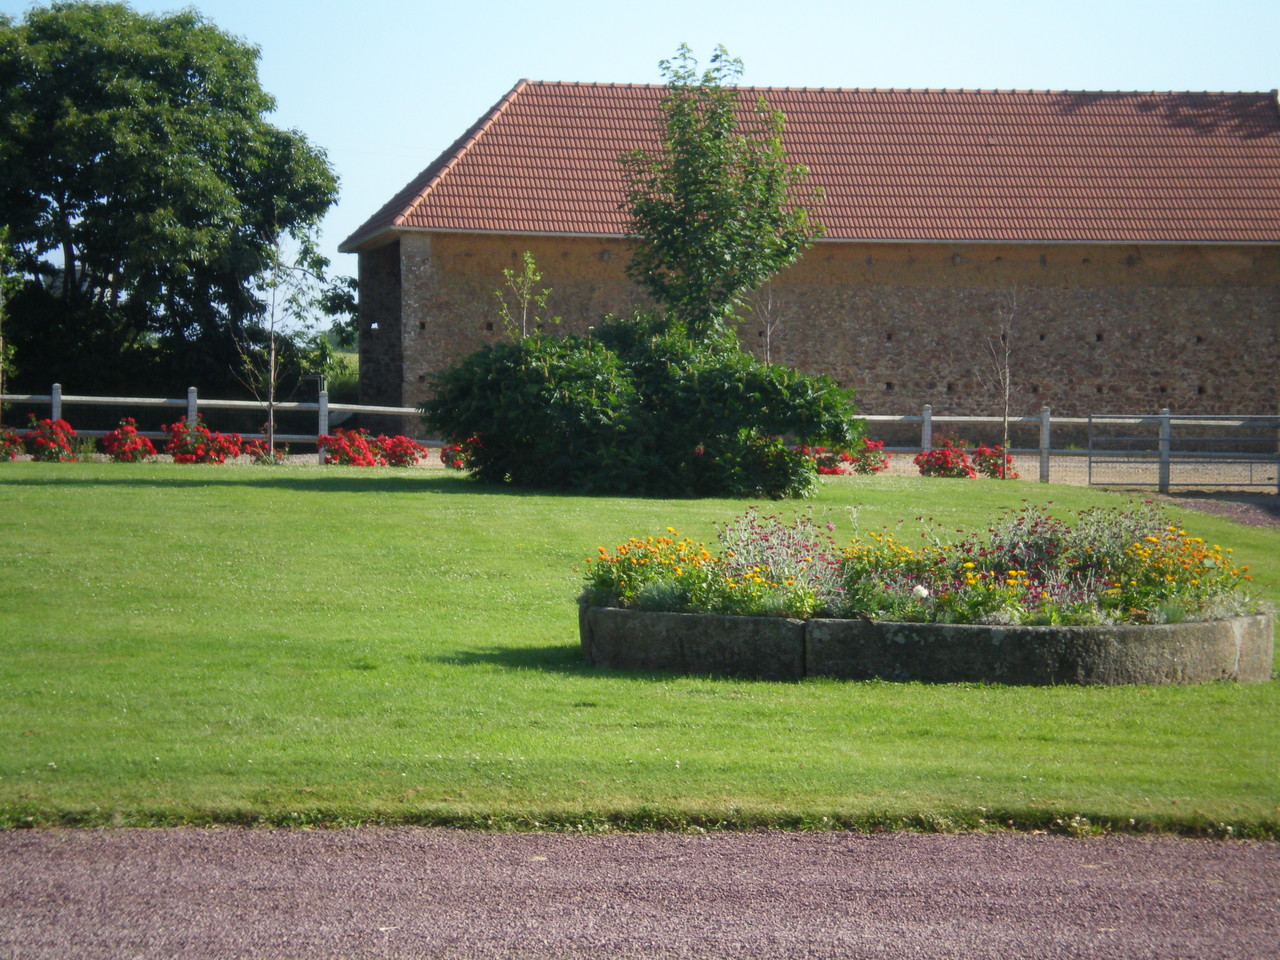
400,893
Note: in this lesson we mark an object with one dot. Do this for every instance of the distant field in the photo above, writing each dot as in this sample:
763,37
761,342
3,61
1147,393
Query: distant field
305,645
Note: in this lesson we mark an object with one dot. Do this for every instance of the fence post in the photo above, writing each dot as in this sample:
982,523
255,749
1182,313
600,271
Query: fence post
191,404
1166,436
322,428
1044,444
55,402
926,427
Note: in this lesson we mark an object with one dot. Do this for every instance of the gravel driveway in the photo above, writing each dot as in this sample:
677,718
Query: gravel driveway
403,892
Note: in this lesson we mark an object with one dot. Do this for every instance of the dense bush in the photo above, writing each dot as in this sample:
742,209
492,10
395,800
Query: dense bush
638,407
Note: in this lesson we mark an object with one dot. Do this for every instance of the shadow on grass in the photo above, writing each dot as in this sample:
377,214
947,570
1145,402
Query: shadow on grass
566,659
308,480
333,480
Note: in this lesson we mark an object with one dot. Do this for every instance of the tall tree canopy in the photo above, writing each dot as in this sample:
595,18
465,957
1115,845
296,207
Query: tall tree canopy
144,191
718,210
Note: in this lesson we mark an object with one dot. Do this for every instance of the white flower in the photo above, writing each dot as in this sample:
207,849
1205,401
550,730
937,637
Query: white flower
920,591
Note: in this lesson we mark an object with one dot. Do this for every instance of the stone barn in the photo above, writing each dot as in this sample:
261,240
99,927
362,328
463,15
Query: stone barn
1127,244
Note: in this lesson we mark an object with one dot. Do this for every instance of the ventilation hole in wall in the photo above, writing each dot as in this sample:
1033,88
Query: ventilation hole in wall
1035,388
951,388
868,261
888,336
999,259
1201,390
1086,260
422,326
422,378
606,255
888,387
489,326
1042,338
1044,261
1099,389
1131,260
760,334
1199,339
1004,338
1097,337
1163,389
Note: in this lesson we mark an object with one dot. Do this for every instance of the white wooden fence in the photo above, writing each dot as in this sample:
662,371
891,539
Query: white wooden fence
56,399
1162,456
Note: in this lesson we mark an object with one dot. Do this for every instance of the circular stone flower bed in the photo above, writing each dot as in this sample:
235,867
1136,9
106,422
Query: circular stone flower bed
776,648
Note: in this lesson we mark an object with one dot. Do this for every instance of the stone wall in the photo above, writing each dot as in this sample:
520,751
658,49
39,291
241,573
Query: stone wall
1094,328
1241,649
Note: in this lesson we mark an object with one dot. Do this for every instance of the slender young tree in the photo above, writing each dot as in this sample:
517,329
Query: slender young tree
718,209
998,374
529,298
297,291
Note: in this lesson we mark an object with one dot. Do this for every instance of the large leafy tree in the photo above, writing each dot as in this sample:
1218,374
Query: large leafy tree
144,191
718,209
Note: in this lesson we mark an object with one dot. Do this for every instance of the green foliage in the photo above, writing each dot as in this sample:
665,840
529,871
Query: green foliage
638,408
716,211
144,191
540,412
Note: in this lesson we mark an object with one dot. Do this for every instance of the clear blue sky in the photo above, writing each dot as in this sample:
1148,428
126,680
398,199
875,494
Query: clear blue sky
385,85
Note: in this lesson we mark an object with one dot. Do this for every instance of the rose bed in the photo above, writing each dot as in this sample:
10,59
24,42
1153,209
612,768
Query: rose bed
771,648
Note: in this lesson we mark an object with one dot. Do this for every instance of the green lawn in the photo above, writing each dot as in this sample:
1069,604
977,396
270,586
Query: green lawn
304,645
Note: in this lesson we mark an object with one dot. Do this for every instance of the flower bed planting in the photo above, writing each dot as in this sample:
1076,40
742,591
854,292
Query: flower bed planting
357,448
125,445
49,440
1084,585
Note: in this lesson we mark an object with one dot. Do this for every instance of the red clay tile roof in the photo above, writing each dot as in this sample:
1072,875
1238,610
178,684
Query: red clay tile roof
895,164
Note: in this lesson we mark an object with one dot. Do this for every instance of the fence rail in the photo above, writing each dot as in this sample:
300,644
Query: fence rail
1263,467
322,408
1247,456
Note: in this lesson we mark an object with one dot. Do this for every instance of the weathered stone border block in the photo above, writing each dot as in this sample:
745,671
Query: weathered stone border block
1240,649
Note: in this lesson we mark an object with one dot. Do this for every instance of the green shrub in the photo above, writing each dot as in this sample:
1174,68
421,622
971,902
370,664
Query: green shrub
638,408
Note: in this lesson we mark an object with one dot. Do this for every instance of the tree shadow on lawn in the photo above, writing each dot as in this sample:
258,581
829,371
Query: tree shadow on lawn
330,480
339,481
566,659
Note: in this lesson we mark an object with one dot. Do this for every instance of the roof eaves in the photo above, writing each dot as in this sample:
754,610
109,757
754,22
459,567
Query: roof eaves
395,211
468,141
